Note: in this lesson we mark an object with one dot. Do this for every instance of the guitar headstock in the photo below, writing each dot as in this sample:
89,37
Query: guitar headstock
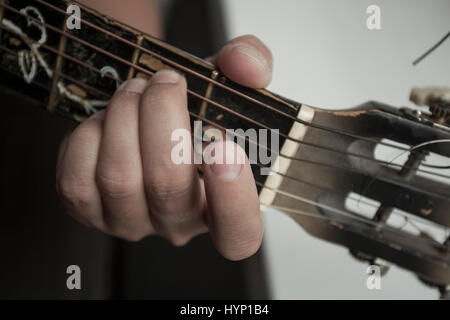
376,187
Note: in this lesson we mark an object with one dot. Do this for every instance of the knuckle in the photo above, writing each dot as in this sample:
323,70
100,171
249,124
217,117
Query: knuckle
117,185
166,188
72,192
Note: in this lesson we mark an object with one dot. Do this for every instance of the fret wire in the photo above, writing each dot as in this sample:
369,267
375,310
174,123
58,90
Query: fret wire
215,103
190,112
257,183
217,83
221,128
247,139
281,174
80,83
243,117
250,141
290,177
279,191
338,192
193,114
40,85
135,57
205,120
215,125
52,101
208,93
212,123
83,64
385,163
67,77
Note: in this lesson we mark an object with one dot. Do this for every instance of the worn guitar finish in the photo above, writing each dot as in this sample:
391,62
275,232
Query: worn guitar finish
74,73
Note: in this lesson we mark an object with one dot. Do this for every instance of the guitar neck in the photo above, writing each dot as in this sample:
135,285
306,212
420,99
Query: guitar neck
74,72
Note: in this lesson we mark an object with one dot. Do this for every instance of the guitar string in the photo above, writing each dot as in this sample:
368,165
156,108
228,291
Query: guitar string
348,214
123,61
383,163
192,114
217,83
146,71
323,188
287,176
358,201
206,120
62,75
284,156
213,102
417,147
377,225
318,216
76,61
429,51
230,89
212,123
309,183
300,181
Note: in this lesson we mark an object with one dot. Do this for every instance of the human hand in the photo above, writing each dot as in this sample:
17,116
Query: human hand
115,171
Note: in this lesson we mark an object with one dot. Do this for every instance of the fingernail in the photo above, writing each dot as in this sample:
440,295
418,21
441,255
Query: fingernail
225,160
165,76
253,54
134,85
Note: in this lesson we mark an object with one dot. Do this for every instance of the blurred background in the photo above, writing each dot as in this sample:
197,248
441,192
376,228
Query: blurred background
325,56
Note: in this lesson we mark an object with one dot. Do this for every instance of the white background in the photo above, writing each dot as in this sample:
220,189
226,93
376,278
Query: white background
326,57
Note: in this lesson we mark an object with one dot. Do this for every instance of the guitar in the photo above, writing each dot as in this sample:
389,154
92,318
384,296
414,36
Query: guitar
326,160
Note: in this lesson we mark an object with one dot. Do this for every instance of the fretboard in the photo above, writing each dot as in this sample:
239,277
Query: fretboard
74,72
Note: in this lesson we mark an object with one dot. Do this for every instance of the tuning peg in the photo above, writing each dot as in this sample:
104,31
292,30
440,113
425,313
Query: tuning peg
382,264
437,99
425,96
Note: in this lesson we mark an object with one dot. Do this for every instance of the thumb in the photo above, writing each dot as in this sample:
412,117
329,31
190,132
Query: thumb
247,61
